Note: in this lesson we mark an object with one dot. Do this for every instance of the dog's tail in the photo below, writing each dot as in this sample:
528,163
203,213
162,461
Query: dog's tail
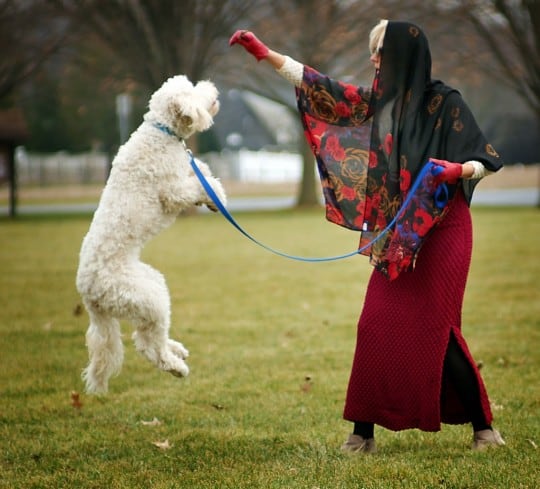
105,351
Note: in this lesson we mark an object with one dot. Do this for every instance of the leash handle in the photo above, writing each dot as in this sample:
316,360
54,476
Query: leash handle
441,194
429,166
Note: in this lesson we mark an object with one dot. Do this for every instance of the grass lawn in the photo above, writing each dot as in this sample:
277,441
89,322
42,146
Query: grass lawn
271,344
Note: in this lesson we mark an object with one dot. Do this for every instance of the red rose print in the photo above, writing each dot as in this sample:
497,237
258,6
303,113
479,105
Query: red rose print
376,200
388,142
334,148
422,223
343,110
318,128
381,220
372,159
404,180
348,193
334,215
352,95
358,222
314,132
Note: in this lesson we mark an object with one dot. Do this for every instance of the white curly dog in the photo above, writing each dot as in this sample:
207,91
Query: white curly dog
150,183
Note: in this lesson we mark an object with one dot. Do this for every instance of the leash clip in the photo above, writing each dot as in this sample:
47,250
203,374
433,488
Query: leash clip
183,141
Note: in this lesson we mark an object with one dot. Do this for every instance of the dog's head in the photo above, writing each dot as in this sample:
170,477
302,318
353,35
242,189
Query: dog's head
184,107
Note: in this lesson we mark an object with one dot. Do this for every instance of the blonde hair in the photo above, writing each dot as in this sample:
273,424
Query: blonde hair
376,36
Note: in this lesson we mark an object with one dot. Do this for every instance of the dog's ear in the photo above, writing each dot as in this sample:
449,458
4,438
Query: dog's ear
204,119
187,121
180,113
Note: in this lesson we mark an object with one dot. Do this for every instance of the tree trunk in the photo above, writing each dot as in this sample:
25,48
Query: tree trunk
307,195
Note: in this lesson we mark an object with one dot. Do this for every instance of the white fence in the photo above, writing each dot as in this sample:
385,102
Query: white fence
255,166
60,168
245,166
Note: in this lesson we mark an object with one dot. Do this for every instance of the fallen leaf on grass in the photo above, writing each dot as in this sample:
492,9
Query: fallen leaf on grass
306,387
75,400
162,445
154,422
534,445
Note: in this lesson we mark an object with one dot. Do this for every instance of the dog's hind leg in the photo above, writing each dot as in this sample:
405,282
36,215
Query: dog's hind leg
151,339
105,350
150,313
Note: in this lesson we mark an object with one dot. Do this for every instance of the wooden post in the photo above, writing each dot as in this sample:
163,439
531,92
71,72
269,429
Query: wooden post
12,170
13,132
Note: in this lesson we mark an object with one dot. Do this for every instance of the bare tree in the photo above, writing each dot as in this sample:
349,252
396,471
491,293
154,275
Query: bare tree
28,37
156,39
511,31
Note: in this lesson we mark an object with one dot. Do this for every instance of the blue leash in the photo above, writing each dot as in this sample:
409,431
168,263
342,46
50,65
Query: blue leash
441,196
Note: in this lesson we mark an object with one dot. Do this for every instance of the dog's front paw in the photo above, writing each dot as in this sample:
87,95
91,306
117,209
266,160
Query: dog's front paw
180,369
178,349
169,205
170,361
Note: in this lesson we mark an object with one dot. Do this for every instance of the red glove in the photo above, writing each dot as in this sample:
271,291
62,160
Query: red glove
451,172
251,43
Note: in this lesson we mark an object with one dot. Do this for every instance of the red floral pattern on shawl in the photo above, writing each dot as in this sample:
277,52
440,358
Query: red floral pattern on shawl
372,143
336,122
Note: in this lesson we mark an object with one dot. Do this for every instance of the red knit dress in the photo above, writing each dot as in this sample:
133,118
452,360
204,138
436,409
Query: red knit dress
403,333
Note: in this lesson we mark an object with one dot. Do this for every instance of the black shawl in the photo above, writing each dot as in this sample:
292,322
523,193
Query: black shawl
372,143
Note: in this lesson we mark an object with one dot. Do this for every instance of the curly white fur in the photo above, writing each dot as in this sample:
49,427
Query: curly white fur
151,182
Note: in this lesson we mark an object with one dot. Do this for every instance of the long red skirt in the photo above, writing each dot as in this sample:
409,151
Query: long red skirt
403,333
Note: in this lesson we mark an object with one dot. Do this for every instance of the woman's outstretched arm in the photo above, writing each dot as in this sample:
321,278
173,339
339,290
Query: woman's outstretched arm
287,67
257,48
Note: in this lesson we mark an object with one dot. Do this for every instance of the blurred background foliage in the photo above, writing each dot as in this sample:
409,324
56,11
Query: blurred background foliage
64,62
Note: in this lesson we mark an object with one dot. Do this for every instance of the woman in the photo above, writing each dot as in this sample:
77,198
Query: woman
412,367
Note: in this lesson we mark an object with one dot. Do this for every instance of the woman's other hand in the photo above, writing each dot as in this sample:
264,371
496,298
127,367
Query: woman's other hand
451,172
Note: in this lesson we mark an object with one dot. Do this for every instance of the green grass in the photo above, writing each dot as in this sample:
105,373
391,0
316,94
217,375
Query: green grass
257,326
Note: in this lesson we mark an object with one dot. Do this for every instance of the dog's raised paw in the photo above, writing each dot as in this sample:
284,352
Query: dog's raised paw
178,349
179,371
